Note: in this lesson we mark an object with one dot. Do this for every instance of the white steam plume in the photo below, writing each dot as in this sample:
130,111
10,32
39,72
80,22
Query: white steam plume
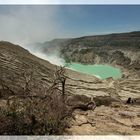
52,58
23,24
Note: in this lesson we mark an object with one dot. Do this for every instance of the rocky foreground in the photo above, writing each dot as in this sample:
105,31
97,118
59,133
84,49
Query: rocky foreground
111,116
116,119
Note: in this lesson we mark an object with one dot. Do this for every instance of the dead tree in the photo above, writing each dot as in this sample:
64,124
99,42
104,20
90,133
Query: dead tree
28,76
59,78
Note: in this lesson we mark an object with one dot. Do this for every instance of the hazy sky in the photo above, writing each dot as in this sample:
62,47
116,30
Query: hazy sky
27,24
70,1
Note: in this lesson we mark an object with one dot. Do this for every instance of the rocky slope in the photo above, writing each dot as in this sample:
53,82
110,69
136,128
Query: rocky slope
17,64
16,61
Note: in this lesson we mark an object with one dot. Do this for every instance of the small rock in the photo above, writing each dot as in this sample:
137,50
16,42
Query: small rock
81,119
127,114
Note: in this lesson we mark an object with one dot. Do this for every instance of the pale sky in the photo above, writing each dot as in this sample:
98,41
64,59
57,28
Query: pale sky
69,1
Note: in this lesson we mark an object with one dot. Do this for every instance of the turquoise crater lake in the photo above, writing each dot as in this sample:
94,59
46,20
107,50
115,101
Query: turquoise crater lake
100,71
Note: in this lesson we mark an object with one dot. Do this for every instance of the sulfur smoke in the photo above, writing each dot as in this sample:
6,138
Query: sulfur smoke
25,24
53,58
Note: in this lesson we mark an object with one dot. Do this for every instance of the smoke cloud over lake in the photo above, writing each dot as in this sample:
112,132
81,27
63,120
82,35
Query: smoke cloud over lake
52,58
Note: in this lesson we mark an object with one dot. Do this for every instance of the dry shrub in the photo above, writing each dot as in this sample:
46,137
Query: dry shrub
42,114
34,116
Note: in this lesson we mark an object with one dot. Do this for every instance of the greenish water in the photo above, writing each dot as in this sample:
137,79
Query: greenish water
100,71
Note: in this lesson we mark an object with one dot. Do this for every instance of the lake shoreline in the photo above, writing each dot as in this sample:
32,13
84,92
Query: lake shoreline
101,71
